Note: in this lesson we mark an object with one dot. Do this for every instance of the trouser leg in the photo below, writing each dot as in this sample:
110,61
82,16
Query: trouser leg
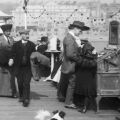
70,89
12,82
26,85
20,84
62,86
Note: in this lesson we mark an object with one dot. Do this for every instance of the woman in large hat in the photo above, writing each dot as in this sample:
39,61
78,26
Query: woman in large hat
6,41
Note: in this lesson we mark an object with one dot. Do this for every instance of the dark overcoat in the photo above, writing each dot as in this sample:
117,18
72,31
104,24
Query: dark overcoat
18,53
86,73
5,49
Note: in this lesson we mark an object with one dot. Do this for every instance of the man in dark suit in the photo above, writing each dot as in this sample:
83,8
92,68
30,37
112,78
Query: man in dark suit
70,58
42,47
6,43
20,60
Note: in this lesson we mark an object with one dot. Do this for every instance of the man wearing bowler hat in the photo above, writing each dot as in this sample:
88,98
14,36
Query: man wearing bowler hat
6,43
20,60
70,58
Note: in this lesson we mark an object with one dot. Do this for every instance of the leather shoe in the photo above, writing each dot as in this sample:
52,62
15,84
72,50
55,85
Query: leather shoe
117,118
14,96
82,110
71,106
26,103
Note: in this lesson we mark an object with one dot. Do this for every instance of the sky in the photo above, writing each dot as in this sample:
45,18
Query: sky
16,1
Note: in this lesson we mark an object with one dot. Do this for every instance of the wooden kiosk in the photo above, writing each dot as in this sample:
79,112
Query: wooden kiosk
108,74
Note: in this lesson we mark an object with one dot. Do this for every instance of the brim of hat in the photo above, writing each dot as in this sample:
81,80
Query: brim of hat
83,28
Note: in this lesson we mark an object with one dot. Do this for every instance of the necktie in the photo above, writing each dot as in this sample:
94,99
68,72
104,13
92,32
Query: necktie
8,40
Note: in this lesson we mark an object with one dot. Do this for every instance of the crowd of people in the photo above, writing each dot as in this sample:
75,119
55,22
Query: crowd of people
75,72
78,70
24,60
20,61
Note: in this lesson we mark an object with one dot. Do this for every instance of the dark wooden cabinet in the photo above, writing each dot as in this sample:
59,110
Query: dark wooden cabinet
108,83
108,74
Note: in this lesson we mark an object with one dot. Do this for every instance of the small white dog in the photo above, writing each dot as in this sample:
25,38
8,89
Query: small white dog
45,115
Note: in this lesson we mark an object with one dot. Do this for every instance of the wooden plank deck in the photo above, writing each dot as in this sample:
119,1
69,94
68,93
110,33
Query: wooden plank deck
43,96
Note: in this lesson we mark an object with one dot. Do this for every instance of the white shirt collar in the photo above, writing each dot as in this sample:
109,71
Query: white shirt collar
5,38
23,41
77,39
72,34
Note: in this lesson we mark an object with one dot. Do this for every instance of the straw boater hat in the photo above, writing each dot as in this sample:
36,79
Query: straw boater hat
24,31
6,27
80,25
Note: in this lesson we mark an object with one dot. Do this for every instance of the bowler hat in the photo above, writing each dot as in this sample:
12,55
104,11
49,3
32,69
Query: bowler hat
80,25
6,27
44,39
24,31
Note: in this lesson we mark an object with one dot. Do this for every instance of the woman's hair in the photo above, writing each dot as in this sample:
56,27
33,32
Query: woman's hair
88,47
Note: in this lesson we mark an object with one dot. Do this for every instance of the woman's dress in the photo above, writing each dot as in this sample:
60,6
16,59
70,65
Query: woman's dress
86,81
86,72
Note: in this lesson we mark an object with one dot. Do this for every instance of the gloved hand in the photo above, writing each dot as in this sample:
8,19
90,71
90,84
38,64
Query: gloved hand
11,62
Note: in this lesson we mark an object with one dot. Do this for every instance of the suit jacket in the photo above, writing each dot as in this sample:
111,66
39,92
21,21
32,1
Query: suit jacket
18,53
4,42
42,59
70,54
5,49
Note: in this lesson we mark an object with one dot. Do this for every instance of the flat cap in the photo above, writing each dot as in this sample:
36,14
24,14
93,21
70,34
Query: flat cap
24,31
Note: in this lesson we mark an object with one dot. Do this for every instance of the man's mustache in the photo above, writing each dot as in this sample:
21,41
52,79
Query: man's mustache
27,37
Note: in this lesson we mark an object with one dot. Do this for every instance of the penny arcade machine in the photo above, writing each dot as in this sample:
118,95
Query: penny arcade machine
108,74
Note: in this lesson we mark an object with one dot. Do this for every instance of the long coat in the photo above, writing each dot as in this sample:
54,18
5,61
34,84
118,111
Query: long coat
7,83
70,55
86,73
5,49
18,53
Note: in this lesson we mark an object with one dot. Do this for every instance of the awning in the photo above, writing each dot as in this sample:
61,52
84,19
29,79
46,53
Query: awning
4,15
